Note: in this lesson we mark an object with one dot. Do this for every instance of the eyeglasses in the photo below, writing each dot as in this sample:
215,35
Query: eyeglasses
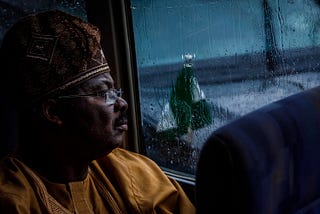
110,96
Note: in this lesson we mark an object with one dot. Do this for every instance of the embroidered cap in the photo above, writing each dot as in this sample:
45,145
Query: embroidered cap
49,52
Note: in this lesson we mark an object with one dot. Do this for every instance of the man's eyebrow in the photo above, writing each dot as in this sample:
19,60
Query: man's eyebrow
108,82
102,85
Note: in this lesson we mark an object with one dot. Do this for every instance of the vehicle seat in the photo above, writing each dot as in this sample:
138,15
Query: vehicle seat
267,161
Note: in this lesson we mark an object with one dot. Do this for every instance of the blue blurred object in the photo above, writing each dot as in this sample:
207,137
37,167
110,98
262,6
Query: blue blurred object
264,162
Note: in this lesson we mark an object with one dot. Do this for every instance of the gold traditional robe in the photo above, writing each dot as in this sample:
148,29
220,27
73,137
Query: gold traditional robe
121,182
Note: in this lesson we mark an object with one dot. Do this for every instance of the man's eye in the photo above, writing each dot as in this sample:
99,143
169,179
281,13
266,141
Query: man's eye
102,92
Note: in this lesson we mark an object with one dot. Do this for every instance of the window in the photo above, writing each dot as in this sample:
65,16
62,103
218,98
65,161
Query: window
244,54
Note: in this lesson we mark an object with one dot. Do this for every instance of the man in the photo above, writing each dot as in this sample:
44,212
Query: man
71,122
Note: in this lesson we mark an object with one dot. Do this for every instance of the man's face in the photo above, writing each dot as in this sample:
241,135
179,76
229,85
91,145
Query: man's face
99,125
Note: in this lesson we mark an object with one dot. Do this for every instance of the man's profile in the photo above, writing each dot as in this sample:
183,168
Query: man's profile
71,121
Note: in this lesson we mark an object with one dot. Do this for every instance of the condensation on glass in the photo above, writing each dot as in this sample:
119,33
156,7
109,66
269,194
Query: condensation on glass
12,10
248,53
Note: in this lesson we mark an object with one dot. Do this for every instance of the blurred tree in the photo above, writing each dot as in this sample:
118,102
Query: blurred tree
187,109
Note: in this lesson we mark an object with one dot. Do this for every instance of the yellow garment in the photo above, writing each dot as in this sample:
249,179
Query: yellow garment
121,182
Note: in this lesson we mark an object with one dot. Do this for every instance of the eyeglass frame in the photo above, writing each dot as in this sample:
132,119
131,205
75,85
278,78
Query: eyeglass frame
116,93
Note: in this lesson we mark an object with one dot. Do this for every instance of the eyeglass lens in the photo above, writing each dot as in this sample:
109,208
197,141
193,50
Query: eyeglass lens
112,95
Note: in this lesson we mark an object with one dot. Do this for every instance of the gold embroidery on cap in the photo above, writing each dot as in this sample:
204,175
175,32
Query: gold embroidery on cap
99,58
42,47
91,72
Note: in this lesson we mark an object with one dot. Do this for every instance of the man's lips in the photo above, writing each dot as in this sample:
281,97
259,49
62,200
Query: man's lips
123,127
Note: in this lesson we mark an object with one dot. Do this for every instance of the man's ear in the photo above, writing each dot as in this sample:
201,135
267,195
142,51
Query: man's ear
51,111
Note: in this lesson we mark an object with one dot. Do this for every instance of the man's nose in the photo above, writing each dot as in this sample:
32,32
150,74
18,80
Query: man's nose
121,105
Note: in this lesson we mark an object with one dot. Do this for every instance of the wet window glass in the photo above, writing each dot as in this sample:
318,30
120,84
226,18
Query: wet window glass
12,10
203,63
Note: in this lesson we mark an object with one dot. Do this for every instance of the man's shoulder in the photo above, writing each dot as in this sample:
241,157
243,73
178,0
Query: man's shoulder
140,178
128,162
16,190
127,154
12,180
127,158
9,168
